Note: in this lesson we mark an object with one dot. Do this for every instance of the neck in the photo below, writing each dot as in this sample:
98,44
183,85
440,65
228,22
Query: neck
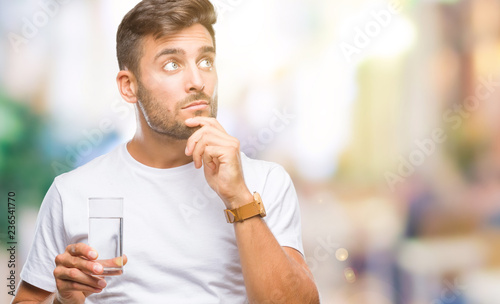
157,150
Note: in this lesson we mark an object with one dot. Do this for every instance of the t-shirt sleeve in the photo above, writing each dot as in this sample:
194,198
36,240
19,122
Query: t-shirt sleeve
48,242
282,208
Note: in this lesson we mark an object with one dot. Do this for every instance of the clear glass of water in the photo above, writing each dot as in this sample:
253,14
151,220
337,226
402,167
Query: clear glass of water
106,232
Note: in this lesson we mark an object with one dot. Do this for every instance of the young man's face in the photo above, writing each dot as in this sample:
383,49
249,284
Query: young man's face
177,81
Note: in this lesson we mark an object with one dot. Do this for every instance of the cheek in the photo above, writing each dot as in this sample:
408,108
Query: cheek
162,85
212,82
168,93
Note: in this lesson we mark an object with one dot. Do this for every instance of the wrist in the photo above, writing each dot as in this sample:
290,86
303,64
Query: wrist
56,300
59,299
242,199
248,210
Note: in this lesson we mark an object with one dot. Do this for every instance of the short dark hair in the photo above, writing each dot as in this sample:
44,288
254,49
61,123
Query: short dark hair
158,18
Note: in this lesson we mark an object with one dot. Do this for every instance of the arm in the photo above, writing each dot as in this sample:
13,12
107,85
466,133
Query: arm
272,273
29,294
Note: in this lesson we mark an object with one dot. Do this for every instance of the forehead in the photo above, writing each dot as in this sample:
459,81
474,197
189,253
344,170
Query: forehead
189,40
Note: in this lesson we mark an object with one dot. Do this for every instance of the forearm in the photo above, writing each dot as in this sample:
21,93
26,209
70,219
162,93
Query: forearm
30,294
270,274
49,300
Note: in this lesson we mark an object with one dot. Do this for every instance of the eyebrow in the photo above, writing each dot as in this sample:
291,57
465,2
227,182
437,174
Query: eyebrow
207,49
176,51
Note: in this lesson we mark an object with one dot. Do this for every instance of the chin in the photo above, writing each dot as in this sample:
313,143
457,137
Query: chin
204,113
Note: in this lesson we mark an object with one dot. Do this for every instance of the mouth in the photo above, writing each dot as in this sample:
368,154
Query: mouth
196,105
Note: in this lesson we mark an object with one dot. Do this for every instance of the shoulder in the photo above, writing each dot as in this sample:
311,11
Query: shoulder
261,173
92,170
260,166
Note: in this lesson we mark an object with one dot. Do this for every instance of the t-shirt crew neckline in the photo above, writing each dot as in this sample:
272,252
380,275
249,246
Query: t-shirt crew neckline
131,161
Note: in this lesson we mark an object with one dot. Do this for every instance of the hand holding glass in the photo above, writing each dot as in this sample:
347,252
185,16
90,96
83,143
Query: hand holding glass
106,232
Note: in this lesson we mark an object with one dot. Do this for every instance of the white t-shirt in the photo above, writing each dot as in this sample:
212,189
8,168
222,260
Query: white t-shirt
179,246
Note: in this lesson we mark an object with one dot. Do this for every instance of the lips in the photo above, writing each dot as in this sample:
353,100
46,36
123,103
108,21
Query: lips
196,104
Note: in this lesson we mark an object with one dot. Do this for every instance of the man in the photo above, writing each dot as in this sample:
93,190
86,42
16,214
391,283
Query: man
166,54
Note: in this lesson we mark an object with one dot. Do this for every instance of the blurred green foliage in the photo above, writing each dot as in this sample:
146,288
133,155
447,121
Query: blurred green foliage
25,160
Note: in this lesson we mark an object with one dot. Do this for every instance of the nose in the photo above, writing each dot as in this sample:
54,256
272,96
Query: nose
194,80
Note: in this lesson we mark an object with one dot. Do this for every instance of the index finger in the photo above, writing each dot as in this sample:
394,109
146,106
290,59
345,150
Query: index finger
81,249
204,121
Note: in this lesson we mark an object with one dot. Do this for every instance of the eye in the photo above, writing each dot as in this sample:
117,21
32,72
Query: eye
206,63
171,66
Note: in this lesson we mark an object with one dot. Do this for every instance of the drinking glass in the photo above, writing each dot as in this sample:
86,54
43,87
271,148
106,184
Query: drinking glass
106,232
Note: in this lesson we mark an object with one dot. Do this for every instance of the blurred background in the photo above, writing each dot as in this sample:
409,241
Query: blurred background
385,114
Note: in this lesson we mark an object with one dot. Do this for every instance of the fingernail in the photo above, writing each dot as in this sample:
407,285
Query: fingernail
97,268
186,151
101,283
93,254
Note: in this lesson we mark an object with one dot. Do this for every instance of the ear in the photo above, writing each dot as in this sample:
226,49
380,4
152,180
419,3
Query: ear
127,86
